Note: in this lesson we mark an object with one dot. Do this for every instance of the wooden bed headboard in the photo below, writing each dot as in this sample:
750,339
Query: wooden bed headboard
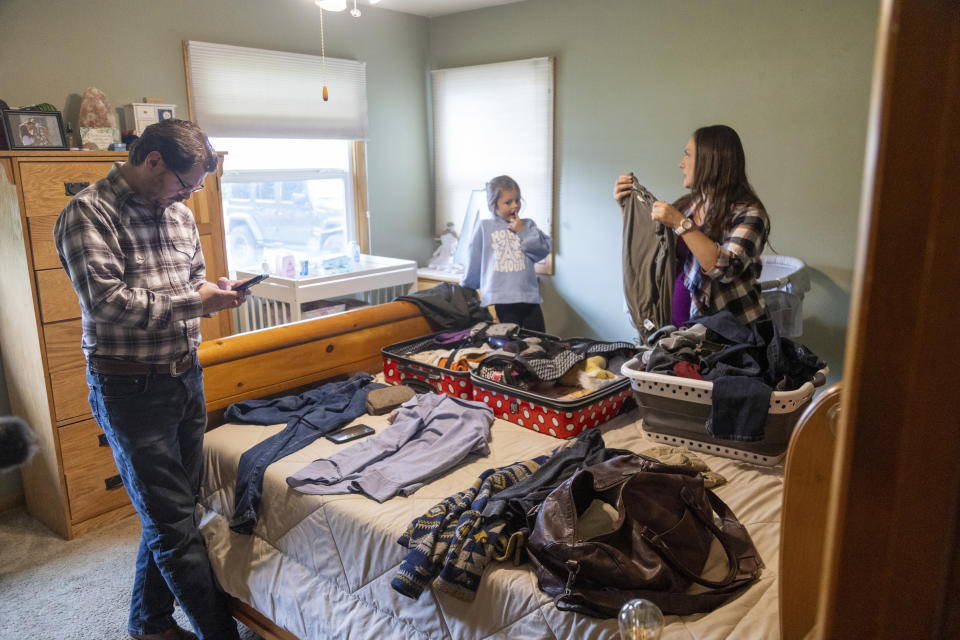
269,361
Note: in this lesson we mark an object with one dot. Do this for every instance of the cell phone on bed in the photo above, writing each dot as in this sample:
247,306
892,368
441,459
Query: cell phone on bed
246,284
350,433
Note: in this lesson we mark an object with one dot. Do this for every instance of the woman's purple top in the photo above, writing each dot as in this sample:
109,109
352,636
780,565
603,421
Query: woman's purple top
681,295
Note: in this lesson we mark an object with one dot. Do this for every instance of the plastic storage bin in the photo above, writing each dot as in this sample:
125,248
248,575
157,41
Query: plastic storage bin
675,412
783,282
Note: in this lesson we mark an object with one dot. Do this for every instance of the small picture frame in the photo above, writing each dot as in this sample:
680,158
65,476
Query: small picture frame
34,130
164,113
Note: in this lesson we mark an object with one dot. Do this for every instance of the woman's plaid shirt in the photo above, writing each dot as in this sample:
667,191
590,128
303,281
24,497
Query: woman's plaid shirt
734,282
136,272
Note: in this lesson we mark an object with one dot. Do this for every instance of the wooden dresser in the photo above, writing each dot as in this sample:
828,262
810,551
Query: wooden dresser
72,484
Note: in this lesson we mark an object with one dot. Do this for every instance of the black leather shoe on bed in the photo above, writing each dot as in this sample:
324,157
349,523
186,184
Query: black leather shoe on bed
173,633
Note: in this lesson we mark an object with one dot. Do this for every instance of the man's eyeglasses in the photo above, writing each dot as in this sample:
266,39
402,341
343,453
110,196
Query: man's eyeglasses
184,184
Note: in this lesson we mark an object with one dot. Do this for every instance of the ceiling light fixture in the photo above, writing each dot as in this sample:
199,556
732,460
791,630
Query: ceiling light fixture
340,5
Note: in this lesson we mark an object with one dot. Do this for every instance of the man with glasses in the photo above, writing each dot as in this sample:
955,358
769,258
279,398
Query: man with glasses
132,251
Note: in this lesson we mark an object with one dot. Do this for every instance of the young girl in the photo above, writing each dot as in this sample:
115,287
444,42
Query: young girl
502,254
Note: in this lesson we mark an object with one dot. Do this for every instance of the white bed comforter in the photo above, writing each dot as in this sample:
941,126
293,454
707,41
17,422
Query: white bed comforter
320,566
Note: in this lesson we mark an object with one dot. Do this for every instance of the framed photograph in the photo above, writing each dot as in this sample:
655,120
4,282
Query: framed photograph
34,129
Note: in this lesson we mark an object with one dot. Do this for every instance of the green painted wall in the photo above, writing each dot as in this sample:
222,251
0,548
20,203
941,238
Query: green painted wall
635,78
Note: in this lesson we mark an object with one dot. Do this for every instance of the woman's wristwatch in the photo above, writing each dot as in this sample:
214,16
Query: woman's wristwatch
684,226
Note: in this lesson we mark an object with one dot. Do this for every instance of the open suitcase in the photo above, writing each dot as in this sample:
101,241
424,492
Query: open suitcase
675,412
400,368
557,418
563,416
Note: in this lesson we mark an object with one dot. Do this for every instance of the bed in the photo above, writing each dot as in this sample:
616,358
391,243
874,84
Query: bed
320,566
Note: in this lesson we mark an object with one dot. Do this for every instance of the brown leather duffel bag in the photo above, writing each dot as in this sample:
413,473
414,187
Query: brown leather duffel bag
654,547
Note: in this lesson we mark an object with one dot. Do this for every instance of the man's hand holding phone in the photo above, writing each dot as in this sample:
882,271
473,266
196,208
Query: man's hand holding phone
216,297
244,285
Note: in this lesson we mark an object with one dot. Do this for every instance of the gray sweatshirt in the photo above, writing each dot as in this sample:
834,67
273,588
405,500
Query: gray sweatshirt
431,434
502,262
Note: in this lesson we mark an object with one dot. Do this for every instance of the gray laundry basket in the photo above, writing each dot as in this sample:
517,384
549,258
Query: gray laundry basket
783,282
675,411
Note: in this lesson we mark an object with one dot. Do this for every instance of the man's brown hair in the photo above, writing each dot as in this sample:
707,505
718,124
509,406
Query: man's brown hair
182,145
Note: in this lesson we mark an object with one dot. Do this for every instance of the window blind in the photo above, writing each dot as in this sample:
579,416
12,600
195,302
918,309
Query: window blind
258,93
489,120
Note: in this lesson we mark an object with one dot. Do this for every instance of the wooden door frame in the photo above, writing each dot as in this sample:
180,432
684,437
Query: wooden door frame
891,564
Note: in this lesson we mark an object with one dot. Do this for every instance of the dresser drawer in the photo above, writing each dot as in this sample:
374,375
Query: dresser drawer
95,491
84,448
49,186
58,300
67,367
93,482
41,242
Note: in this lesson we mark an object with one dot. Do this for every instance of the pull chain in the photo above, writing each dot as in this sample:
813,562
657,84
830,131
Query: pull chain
323,60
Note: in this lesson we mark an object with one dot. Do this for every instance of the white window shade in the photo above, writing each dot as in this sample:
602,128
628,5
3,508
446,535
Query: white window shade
490,120
257,93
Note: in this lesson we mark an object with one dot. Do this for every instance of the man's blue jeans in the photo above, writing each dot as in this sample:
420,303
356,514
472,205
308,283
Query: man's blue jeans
155,424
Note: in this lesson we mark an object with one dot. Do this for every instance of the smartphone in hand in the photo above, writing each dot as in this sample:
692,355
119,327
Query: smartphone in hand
349,433
246,284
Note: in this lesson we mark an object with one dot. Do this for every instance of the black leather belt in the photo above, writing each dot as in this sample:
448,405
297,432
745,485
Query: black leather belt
113,366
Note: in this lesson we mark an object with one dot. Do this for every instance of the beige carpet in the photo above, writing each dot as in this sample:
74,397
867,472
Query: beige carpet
54,589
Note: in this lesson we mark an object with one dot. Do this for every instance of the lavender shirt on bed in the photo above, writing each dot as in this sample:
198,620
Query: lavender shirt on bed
431,434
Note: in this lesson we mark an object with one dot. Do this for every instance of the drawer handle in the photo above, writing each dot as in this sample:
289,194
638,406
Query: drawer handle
103,440
73,188
113,482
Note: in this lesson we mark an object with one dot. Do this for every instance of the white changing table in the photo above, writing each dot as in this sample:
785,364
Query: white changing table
279,300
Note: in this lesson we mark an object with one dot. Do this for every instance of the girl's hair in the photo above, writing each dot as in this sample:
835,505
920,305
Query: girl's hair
498,185
719,178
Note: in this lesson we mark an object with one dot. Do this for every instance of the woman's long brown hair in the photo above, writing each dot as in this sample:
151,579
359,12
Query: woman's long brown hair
719,178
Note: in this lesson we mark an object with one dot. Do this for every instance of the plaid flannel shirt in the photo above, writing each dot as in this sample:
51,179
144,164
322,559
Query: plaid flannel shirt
734,281
135,272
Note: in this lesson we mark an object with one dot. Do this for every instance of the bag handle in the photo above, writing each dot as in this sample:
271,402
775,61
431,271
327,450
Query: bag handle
733,560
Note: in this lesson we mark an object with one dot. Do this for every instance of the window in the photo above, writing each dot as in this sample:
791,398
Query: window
285,197
489,120
293,180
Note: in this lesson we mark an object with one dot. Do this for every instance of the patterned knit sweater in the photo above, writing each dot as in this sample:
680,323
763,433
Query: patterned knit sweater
453,542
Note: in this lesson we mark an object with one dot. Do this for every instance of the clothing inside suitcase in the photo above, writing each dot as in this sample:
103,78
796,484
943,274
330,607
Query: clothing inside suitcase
402,363
531,390
539,381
